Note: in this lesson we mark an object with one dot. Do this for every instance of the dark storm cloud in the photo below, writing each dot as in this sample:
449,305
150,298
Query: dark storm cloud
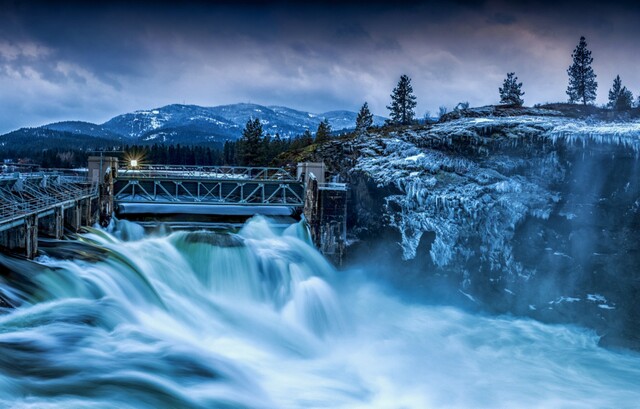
351,33
388,44
501,18
90,61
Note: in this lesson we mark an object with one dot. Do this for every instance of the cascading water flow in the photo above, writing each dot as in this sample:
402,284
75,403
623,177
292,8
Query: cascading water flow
258,319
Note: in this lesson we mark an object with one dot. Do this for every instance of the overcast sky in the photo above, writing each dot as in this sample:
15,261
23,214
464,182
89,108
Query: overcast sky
63,61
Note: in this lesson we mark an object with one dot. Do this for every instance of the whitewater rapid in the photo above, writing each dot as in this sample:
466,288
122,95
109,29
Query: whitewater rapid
259,319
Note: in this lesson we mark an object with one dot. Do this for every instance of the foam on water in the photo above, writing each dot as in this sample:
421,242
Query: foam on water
259,319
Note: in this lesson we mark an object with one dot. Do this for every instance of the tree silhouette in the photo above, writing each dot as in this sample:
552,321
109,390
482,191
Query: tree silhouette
619,97
403,102
582,80
248,146
511,91
364,120
323,134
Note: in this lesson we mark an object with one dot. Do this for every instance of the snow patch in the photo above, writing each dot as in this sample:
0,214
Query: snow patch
596,298
606,307
415,157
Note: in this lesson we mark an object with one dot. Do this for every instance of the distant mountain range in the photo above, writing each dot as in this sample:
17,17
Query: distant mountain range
185,124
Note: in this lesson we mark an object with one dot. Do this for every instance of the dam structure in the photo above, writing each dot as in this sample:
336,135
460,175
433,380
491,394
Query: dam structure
42,204
184,197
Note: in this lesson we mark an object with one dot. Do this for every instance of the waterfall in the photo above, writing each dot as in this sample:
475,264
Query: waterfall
257,318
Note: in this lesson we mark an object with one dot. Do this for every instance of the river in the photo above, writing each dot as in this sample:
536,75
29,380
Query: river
259,319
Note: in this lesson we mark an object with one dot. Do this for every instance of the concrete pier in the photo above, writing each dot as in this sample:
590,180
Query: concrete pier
325,209
102,172
52,225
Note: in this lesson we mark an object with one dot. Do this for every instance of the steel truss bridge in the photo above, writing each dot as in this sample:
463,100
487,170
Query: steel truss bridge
38,195
135,187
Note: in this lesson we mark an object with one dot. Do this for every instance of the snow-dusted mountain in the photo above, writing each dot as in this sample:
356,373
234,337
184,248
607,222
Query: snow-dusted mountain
82,128
195,124
225,121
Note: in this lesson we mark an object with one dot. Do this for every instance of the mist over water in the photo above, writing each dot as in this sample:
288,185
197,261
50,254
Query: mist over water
259,319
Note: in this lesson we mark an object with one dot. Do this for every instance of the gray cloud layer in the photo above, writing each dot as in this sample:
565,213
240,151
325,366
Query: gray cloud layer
73,61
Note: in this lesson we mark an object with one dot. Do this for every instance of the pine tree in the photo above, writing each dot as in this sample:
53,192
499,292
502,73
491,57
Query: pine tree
511,91
614,92
619,97
301,141
364,120
403,102
248,146
582,80
323,134
306,139
265,150
228,153
625,101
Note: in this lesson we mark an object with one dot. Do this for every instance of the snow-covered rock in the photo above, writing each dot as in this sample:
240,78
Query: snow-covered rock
544,207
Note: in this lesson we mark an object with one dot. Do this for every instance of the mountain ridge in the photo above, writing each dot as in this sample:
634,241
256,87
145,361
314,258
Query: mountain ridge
194,124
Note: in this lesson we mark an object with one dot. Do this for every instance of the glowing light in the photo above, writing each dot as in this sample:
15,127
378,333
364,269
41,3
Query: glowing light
134,159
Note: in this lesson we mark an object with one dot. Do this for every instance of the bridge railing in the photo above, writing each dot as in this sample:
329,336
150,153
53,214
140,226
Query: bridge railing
21,208
32,199
69,176
204,172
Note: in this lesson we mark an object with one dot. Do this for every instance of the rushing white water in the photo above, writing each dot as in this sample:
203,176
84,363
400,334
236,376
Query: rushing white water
260,320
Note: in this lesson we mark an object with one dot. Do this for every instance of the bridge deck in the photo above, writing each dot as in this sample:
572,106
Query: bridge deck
205,172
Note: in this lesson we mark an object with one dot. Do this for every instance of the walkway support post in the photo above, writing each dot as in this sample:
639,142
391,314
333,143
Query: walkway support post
52,225
73,217
31,236
22,239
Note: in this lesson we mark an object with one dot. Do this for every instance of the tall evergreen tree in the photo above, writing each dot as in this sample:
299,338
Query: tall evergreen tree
582,80
229,153
323,134
248,146
265,150
511,91
306,138
403,102
364,120
619,97
301,141
614,92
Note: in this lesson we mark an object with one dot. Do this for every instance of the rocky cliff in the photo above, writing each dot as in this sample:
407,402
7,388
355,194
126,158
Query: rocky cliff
536,214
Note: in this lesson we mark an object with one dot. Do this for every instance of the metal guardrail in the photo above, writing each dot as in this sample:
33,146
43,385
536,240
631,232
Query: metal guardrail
34,193
68,176
204,172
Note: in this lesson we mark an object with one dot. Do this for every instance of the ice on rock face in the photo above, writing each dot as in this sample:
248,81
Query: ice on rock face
452,197
458,196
